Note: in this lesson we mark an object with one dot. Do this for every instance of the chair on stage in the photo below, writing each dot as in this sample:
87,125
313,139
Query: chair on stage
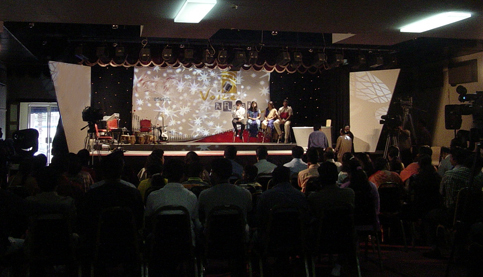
102,136
235,132
145,126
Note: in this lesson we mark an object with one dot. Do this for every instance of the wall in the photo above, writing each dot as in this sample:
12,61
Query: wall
442,137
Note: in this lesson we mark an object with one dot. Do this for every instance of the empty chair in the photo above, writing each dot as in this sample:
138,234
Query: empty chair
172,243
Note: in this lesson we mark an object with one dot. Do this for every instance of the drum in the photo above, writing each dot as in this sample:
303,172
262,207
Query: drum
141,139
125,139
132,139
150,139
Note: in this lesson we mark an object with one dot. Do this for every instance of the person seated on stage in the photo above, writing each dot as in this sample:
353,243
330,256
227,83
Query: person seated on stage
317,138
296,164
264,166
254,115
284,114
271,115
238,114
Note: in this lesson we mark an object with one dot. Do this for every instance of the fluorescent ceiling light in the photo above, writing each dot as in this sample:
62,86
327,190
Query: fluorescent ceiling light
193,11
434,21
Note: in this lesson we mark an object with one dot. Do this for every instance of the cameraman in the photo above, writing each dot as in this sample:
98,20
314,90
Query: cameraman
404,144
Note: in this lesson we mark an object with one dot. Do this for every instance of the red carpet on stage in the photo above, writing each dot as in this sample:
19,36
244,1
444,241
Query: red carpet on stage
228,137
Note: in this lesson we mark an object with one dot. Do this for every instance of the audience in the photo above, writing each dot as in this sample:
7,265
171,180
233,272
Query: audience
230,154
24,178
445,162
296,164
264,166
345,169
151,170
75,174
329,156
413,168
156,156
85,158
395,163
192,157
250,173
311,171
382,174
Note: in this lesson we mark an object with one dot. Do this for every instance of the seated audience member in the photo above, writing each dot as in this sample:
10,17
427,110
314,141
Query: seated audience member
285,113
173,193
344,171
329,156
395,163
317,138
47,180
112,193
445,163
283,193
191,157
249,182
413,168
75,174
85,158
222,192
230,154
344,144
296,164
156,156
423,188
366,201
64,186
113,156
383,175
366,163
151,170
264,166
311,171
194,172
24,177
330,196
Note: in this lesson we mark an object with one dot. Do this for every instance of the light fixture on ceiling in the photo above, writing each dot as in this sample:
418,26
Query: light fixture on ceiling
193,11
434,22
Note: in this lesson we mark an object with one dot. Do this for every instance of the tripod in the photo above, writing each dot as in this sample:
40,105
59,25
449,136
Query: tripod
391,140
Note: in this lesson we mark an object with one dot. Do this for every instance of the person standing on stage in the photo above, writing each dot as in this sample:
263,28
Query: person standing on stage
270,116
238,114
343,145
284,114
254,119
317,138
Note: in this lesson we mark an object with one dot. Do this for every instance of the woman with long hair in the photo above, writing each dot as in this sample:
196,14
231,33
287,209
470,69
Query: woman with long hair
254,115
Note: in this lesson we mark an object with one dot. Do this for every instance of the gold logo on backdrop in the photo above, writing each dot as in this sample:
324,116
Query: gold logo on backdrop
228,81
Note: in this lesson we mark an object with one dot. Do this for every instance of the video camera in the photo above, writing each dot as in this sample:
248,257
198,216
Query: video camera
475,108
90,114
391,121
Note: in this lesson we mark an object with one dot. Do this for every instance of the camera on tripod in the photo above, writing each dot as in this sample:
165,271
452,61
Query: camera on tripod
453,113
391,121
91,116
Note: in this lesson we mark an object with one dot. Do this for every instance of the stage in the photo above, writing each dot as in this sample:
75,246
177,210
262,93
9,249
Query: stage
135,155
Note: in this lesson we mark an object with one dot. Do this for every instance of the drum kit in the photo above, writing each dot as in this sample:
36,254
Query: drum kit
154,135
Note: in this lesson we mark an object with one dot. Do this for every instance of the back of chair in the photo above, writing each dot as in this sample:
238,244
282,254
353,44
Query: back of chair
117,236
50,239
335,230
225,234
172,237
263,179
390,195
285,234
469,206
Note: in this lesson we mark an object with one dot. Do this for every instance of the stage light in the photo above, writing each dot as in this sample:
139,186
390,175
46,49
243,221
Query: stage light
222,56
208,56
361,59
239,59
377,61
434,22
120,51
297,59
193,11
188,54
167,54
283,58
252,57
145,55
339,59
102,52
319,59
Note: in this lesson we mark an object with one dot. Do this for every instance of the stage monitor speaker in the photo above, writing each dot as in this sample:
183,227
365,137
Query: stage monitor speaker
452,117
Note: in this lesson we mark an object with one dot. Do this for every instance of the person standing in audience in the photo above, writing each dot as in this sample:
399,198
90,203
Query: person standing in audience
311,171
238,115
285,113
296,164
344,144
317,138
254,115
264,166
222,193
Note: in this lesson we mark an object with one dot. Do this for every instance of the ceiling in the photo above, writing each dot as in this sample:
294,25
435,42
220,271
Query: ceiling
298,23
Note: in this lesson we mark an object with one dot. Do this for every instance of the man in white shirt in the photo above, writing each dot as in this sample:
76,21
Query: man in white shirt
284,113
264,166
239,117
296,164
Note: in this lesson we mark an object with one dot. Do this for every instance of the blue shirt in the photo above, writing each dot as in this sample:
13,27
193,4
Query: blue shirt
318,139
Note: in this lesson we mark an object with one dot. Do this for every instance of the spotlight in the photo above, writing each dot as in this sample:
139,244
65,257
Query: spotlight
102,52
274,33
252,57
283,58
208,56
239,59
145,55
115,26
188,54
222,56
339,59
167,54
120,51
319,59
361,59
297,59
